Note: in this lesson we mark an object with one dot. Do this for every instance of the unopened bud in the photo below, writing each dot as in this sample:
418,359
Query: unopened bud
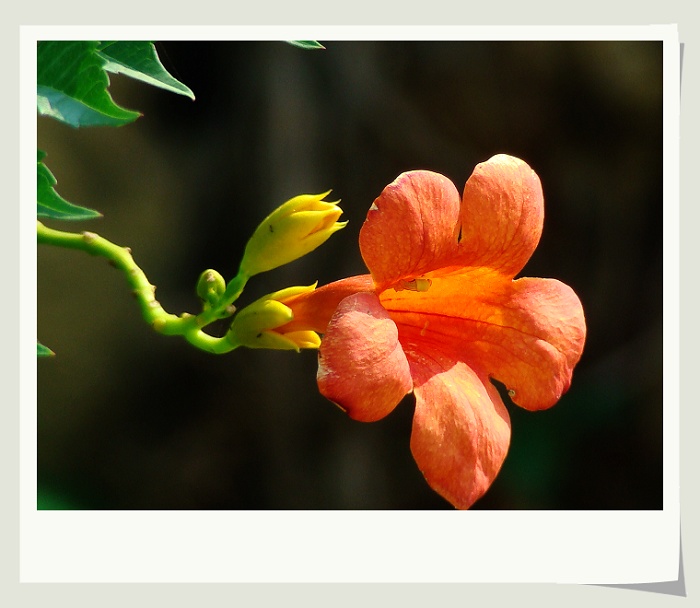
290,232
210,287
255,325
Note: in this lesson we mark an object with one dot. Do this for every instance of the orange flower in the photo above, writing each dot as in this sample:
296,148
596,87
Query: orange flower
441,314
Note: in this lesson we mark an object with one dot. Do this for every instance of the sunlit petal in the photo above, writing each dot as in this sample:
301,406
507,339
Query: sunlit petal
528,334
411,228
502,215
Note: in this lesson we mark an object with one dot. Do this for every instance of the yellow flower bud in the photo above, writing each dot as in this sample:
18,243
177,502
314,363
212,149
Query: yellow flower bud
290,232
255,325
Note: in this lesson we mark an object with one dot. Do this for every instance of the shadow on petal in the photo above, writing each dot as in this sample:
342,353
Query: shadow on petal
361,365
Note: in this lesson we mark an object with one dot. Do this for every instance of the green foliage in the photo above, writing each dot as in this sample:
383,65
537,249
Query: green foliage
49,203
306,44
72,80
43,351
72,87
139,60
72,84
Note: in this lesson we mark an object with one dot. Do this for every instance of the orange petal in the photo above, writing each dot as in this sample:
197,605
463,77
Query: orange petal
411,228
361,365
461,429
528,334
502,215
542,343
313,310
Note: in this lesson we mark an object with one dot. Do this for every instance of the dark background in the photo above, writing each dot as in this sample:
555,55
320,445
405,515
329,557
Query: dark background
128,419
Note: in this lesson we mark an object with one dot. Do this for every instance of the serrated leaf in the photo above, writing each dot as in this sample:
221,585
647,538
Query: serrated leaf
306,44
139,60
49,203
72,86
43,351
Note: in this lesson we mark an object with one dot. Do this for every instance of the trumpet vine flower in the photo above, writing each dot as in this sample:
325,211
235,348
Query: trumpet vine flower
440,314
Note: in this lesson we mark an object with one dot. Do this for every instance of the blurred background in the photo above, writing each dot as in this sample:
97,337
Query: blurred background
128,419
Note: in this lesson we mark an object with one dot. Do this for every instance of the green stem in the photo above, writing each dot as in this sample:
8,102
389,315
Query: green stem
186,325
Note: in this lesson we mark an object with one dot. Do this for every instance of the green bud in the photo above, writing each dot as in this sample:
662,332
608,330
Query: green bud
210,287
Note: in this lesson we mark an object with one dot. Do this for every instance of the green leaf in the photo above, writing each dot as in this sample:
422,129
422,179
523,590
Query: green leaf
306,44
43,351
140,61
72,86
49,203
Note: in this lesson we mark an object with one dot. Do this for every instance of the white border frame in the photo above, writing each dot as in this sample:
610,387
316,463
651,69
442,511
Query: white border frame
622,547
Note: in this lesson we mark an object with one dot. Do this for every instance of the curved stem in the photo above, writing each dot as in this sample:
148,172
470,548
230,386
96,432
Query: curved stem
210,344
186,325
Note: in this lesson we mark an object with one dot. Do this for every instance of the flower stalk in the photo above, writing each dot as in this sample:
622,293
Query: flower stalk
186,325
294,229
